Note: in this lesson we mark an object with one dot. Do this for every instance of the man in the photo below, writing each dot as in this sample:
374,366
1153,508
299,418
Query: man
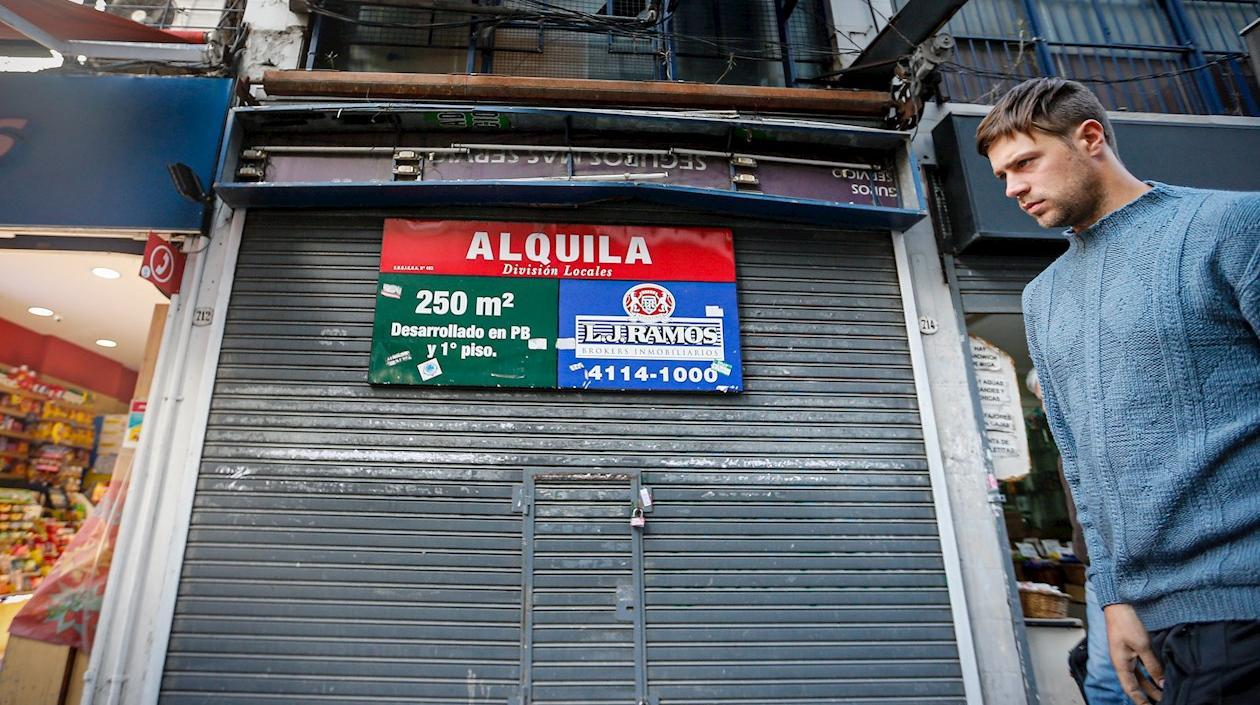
1146,334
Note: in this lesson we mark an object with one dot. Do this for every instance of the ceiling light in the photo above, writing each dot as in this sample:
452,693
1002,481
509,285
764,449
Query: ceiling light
105,273
106,343
40,311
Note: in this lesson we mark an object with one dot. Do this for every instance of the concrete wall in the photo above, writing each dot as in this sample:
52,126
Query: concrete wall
996,620
275,38
977,521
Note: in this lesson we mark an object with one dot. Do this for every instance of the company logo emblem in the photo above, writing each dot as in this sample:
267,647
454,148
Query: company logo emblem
649,303
649,331
392,291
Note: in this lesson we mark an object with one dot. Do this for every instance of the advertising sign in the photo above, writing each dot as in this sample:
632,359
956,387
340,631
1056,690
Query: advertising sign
533,305
163,264
1003,414
92,151
135,423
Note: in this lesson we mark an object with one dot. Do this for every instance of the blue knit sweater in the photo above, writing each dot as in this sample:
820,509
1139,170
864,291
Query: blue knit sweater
1146,338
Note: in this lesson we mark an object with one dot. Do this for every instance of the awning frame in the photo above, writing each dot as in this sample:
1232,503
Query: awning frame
186,53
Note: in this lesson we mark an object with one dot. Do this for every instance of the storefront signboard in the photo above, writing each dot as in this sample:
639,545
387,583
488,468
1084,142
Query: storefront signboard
93,151
491,304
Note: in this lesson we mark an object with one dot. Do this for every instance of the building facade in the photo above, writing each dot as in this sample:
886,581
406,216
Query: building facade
815,520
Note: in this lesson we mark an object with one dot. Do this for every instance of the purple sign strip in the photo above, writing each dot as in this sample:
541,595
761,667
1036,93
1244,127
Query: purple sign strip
824,183
684,169
335,169
490,165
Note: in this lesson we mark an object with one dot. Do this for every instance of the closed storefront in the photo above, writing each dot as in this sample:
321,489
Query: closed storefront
370,543
994,284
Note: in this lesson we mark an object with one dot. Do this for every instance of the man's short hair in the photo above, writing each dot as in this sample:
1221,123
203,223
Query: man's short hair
1055,106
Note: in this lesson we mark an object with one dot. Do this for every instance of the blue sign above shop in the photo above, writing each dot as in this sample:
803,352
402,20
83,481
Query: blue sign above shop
679,336
93,151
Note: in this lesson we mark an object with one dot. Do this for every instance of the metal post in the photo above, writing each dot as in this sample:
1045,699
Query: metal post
967,658
1244,90
782,14
527,588
487,51
671,50
312,50
1044,57
995,495
640,600
470,64
1185,36
661,70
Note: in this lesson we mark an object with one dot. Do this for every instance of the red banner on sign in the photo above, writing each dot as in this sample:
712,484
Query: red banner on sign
163,265
555,251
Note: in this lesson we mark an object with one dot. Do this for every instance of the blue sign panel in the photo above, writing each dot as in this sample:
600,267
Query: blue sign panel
93,151
632,335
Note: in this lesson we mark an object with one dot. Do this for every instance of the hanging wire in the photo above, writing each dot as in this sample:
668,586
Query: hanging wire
986,73
577,21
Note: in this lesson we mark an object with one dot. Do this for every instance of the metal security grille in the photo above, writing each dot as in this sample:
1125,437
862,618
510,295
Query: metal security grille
1165,56
740,42
994,284
355,545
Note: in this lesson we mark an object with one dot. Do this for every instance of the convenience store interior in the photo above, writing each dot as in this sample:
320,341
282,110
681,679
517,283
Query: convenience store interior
73,330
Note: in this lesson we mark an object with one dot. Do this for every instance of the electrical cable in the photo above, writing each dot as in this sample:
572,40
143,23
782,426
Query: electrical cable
888,23
770,49
318,8
954,67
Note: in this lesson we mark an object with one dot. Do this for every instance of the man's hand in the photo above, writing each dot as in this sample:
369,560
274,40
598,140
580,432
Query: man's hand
1129,643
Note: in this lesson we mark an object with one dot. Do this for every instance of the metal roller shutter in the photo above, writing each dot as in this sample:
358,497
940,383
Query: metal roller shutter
995,284
353,545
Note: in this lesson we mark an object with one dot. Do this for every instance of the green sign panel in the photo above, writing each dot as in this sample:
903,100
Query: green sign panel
556,306
468,331
467,119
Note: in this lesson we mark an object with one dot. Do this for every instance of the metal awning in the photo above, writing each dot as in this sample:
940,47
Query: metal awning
533,195
80,30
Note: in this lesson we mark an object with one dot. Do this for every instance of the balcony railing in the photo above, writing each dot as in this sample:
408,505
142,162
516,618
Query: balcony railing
222,16
741,42
1167,56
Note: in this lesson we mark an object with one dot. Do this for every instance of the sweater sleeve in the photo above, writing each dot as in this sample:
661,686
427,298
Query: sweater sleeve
1238,254
1101,571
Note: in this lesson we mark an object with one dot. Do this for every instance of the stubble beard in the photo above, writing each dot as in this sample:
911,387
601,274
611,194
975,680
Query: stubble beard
1079,204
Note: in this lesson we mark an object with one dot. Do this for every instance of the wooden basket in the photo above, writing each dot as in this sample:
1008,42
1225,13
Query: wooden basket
1039,605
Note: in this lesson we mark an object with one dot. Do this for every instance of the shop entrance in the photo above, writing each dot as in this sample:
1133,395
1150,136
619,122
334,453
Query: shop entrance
1050,573
79,337
582,572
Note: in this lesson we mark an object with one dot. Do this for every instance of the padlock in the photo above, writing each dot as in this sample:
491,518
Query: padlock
637,519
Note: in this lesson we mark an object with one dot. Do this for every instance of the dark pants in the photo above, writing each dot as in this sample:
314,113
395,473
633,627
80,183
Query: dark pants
1212,663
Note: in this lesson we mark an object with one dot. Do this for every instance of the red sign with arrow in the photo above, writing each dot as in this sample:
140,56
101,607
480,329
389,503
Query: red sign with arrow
163,265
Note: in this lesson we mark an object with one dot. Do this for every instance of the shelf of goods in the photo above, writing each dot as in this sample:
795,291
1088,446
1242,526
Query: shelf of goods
46,444
32,537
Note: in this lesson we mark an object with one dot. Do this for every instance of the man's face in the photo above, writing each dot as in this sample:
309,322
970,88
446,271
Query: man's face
1053,180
